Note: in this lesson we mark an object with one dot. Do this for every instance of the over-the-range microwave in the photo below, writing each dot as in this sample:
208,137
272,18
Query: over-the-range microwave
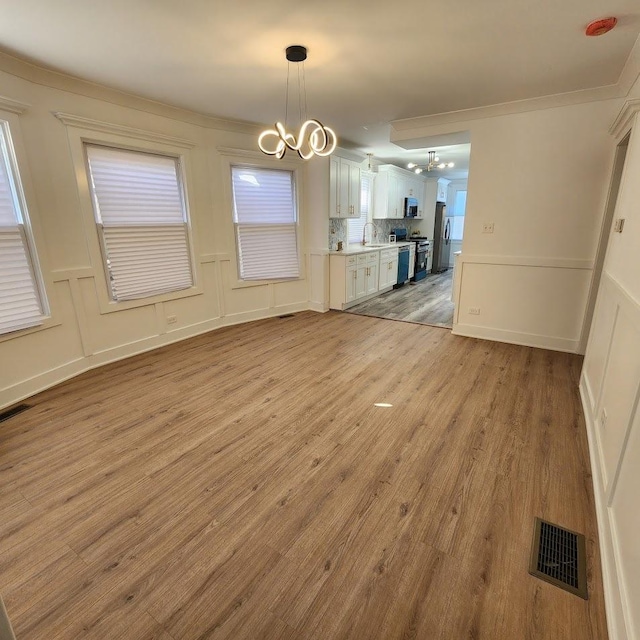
410,208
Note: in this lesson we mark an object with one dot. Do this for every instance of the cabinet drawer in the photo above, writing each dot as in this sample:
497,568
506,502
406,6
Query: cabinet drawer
373,257
351,260
362,258
388,254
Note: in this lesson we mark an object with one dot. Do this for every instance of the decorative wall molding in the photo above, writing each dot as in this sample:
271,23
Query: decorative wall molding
409,127
257,157
60,275
605,482
47,379
528,261
624,120
129,132
612,596
57,80
213,257
13,106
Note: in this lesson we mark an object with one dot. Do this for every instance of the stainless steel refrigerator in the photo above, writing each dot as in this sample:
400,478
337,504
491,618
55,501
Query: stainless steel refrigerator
441,239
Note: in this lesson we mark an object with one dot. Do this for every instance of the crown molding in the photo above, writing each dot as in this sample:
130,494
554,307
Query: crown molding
408,127
624,119
80,122
55,79
13,106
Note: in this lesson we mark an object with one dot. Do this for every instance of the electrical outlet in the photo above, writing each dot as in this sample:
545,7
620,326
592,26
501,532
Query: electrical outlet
172,319
618,225
603,418
487,227
474,311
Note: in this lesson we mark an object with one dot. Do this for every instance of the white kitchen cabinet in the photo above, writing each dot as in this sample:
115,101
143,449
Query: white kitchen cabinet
392,186
388,268
344,188
372,270
353,278
429,259
443,185
388,195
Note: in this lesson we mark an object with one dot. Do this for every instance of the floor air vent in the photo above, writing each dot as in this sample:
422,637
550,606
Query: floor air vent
9,413
558,556
286,315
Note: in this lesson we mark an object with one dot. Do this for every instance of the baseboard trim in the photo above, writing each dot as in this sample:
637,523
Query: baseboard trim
515,337
612,596
48,379
6,631
320,307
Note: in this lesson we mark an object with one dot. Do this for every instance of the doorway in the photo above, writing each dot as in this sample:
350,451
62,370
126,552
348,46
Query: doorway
605,233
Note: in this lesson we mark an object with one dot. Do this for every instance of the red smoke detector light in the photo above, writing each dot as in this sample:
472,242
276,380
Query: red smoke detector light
600,27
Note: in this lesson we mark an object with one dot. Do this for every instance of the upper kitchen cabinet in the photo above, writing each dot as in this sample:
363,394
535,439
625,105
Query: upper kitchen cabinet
443,185
391,187
344,188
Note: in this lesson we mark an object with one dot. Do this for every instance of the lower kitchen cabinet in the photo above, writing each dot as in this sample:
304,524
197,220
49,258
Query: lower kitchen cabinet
388,268
353,278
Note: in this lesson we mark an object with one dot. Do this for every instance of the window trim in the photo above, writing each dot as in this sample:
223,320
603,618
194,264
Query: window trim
371,177
128,139
256,160
10,111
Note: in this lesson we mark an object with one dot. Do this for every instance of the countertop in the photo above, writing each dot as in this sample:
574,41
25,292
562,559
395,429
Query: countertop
352,249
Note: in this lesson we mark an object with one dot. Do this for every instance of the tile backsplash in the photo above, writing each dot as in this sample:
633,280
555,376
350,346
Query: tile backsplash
338,231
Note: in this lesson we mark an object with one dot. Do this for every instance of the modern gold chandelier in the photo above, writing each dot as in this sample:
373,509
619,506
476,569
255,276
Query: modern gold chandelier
313,137
433,162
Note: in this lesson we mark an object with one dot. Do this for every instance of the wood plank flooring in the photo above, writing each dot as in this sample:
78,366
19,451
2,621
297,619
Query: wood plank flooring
243,485
427,301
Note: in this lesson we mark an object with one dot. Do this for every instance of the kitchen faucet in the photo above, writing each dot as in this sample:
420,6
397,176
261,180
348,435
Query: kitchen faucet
364,232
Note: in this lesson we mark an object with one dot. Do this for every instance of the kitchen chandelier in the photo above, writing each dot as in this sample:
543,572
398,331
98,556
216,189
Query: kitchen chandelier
313,138
433,162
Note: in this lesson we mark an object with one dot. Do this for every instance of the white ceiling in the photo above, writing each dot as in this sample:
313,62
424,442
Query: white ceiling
369,62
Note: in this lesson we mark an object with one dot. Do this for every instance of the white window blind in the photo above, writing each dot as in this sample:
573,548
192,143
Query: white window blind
21,301
141,218
356,225
264,213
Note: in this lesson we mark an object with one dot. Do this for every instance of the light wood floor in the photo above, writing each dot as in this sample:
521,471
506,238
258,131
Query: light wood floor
243,485
427,301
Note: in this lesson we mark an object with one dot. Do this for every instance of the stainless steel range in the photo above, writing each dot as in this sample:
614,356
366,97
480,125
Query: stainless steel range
422,247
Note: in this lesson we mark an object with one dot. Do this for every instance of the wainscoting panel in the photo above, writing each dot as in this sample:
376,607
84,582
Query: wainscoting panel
537,303
610,391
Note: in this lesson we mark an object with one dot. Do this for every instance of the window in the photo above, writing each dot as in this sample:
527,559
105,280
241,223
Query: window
140,210
22,300
356,225
459,207
265,217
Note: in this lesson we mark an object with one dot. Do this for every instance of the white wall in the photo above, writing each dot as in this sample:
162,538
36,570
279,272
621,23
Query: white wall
80,334
610,389
541,178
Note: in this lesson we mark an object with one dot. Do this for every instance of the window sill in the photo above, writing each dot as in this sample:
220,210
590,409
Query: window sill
243,284
48,323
